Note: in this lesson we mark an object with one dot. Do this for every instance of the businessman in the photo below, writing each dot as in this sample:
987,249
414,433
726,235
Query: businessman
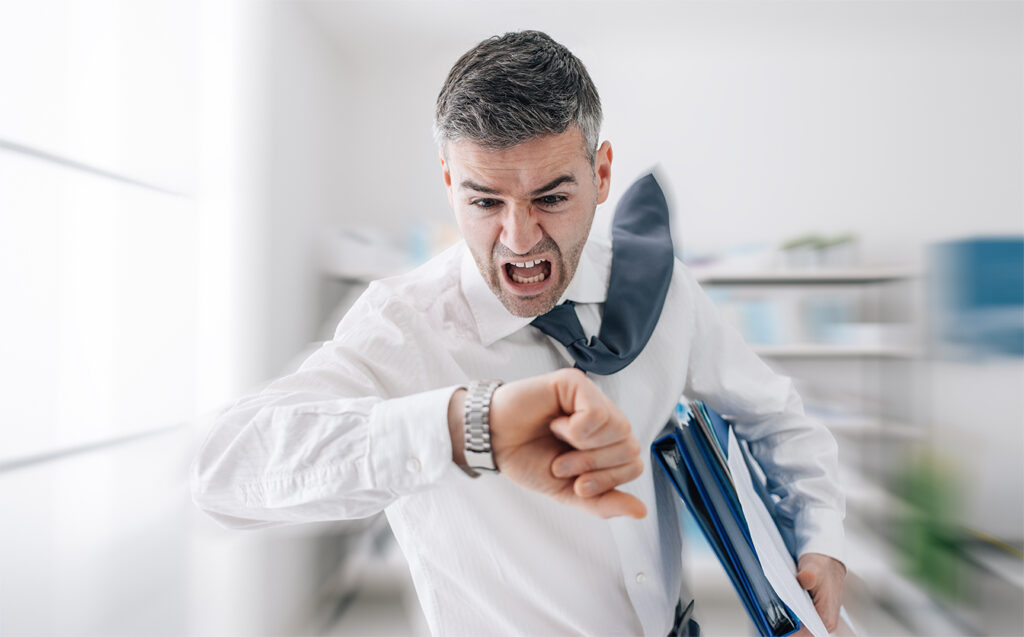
498,402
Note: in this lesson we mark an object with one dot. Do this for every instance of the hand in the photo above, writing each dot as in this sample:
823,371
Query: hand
559,435
822,576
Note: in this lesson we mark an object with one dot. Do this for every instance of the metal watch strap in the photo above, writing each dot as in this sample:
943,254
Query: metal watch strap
477,414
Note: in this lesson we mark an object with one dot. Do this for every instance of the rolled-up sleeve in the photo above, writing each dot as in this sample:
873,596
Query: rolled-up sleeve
798,454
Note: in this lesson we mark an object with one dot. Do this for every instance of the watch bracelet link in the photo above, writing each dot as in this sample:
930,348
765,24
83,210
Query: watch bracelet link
477,419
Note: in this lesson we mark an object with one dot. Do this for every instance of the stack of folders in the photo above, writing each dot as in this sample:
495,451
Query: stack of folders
730,503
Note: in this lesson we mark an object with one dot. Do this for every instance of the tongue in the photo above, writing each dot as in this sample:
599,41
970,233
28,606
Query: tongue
527,272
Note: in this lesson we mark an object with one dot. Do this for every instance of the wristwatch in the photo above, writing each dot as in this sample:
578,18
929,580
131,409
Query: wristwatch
477,418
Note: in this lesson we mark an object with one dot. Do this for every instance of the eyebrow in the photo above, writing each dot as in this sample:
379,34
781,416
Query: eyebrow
472,185
554,183
551,185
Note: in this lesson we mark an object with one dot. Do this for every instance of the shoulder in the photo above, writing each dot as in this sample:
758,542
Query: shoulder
420,299
683,278
685,292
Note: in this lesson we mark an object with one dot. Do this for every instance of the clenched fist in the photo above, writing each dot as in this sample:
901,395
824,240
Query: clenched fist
559,435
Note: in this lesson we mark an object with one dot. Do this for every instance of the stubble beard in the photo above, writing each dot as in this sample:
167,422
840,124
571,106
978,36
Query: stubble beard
543,303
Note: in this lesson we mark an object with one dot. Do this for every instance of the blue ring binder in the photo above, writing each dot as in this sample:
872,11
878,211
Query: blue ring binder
694,458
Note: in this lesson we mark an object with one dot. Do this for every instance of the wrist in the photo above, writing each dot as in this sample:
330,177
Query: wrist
457,425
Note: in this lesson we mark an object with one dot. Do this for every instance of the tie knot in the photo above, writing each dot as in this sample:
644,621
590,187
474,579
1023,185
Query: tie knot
561,324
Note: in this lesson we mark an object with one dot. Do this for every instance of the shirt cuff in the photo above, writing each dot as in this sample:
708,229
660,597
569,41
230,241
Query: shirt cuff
820,530
410,444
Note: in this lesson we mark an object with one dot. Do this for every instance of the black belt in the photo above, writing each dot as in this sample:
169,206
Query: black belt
684,624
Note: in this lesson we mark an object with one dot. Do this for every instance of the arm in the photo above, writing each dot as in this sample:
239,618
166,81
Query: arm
341,438
292,456
321,444
798,454
332,441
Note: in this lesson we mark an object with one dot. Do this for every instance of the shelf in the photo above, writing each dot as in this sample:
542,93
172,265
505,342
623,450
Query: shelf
815,350
358,275
866,427
866,497
876,563
803,277
1006,567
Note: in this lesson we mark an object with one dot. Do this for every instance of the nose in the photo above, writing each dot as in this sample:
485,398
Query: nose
520,230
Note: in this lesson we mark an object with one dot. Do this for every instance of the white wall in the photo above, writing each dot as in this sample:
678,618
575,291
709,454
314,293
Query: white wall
98,254
148,279
307,118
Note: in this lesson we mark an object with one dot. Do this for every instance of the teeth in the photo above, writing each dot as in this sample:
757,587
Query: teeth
531,279
529,264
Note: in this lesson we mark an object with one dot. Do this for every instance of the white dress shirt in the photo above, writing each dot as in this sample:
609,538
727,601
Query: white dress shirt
362,427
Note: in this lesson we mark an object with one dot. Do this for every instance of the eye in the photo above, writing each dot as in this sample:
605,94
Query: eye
484,203
551,201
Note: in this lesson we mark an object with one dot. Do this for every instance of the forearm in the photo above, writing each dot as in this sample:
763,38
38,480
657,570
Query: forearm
800,456
284,458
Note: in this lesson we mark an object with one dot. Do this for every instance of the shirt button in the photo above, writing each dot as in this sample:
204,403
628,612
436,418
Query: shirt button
640,577
412,465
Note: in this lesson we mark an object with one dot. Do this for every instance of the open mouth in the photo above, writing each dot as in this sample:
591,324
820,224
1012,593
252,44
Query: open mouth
528,272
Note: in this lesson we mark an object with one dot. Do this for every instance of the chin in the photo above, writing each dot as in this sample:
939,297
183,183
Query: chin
528,308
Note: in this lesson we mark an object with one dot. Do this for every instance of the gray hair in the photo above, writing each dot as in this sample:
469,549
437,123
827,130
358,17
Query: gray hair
516,87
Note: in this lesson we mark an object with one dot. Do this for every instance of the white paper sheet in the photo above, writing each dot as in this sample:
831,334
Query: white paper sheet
776,561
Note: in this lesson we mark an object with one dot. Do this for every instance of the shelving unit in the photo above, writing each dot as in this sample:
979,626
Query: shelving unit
871,331
713,276
822,350
868,427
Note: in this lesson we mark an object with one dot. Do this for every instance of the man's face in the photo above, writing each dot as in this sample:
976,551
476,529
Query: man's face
525,213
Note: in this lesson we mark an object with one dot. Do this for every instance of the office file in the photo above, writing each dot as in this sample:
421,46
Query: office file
723,488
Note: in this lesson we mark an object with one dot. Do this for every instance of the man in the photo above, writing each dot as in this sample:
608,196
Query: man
575,533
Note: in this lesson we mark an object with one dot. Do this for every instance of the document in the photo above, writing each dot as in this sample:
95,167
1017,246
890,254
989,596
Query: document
776,560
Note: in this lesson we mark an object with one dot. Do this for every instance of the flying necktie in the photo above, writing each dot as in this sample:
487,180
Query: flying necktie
642,261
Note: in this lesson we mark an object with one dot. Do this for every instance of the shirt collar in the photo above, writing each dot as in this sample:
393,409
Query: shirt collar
494,322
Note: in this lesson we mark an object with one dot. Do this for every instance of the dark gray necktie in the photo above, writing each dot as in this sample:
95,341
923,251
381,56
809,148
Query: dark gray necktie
642,261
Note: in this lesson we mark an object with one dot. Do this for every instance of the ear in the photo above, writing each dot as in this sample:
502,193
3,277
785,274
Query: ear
603,170
446,176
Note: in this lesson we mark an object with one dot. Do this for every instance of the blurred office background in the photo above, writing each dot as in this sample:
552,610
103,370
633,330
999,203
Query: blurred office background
191,192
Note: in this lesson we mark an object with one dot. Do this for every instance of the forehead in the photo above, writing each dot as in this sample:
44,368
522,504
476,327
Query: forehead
521,167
